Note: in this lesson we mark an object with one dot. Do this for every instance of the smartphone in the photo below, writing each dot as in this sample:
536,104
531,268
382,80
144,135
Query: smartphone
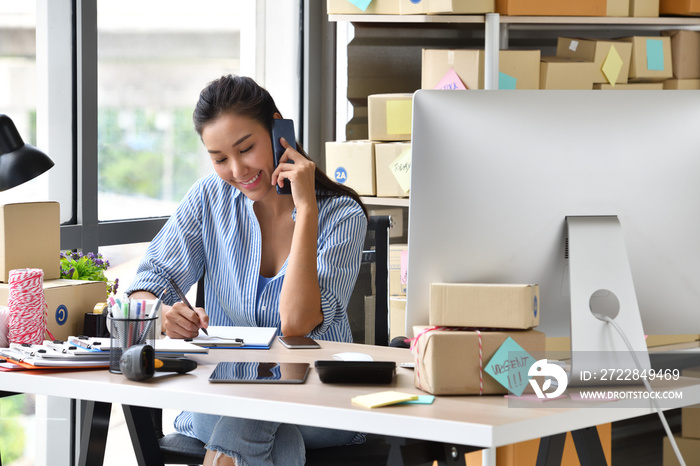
298,342
282,128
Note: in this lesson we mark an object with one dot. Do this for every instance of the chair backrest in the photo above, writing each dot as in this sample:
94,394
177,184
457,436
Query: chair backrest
368,310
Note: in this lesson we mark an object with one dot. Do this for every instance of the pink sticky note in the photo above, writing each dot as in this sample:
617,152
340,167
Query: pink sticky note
450,81
404,267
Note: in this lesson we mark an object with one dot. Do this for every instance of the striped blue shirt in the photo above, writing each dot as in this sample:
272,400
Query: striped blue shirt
215,228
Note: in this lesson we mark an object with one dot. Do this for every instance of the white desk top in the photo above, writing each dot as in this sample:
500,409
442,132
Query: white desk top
485,421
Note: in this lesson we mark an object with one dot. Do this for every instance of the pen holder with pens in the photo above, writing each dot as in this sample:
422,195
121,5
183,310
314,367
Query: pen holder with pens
125,333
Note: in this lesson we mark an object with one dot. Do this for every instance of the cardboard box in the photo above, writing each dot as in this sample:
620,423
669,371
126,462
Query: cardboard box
651,58
690,421
630,86
552,8
397,317
417,7
682,84
376,7
67,303
611,66
689,448
484,305
685,53
390,117
566,73
387,183
447,361
518,67
618,8
30,238
398,254
644,8
525,453
679,7
352,163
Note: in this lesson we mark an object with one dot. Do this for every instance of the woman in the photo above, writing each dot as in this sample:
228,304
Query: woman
272,260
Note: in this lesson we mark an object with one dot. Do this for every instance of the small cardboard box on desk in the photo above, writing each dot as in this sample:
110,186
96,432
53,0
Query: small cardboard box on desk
67,303
30,234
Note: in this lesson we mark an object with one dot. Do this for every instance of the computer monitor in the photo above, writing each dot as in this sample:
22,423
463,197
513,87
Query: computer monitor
495,174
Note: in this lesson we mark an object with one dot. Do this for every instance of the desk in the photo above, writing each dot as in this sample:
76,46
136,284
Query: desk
484,422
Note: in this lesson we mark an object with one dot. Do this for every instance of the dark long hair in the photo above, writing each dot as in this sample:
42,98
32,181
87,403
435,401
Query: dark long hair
242,96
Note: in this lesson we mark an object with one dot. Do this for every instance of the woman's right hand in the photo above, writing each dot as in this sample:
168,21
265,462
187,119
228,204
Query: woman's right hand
179,321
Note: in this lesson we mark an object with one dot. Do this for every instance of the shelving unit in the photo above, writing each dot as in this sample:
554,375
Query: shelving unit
490,31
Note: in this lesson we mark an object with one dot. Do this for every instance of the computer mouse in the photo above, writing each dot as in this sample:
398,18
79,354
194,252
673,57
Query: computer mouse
350,356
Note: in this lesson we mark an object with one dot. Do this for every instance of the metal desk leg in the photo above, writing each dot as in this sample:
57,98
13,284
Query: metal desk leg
551,450
94,434
143,435
588,446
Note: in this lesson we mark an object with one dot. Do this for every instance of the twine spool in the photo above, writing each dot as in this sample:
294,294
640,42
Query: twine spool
27,323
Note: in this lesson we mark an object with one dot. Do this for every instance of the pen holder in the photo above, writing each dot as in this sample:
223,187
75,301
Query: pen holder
125,333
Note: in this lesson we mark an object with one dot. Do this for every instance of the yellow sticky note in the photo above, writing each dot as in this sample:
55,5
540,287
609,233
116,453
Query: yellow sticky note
398,116
612,65
401,169
375,400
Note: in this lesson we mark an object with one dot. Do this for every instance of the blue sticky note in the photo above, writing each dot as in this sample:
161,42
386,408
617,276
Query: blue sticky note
505,81
655,54
509,366
422,400
361,4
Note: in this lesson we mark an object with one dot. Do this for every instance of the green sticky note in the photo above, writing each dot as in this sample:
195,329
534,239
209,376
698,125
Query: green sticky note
361,4
655,55
505,81
398,116
509,366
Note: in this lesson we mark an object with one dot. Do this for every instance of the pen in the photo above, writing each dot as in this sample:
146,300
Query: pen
183,298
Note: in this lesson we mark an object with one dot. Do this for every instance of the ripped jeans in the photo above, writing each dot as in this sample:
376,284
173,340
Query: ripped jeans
264,443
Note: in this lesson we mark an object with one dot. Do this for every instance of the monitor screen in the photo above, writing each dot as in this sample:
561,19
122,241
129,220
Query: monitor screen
496,173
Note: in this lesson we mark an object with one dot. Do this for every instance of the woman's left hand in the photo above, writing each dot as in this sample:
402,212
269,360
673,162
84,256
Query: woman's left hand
301,175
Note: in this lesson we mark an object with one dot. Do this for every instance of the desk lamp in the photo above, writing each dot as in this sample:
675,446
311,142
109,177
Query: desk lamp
19,162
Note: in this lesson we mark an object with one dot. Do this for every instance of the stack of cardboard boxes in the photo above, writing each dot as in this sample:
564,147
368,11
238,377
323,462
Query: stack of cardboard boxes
381,165
623,8
30,238
468,325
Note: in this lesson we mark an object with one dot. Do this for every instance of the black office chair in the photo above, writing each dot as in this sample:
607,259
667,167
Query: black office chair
368,312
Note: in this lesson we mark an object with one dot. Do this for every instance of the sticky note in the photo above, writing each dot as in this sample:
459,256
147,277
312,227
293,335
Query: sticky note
506,82
376,400
612,65
450,81
509,366
398,116
361,4
422,400
655,55
404,267
401,169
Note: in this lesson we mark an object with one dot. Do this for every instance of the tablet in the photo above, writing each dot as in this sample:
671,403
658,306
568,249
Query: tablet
260,372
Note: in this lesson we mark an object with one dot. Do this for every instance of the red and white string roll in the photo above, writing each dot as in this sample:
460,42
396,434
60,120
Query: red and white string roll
27,304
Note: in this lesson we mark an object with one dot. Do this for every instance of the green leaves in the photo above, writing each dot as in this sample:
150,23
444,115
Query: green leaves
90,266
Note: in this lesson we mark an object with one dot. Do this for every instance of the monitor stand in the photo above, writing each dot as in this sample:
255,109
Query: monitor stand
601,283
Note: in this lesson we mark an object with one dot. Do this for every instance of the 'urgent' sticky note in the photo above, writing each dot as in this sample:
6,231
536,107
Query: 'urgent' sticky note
375,400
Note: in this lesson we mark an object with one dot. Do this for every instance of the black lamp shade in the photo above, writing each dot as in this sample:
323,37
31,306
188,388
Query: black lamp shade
19,162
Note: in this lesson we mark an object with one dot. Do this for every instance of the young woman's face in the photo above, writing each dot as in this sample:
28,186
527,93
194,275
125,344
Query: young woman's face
241,152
